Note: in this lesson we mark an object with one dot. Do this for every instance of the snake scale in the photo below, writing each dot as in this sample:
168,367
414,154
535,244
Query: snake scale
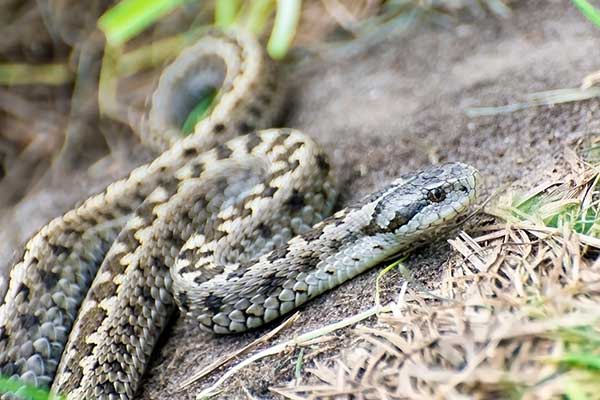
224,224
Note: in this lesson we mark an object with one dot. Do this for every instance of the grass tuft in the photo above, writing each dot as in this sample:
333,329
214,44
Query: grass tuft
200,111
130,17
226,12
588,10
284,28
515,316
25,391
572,204
26,74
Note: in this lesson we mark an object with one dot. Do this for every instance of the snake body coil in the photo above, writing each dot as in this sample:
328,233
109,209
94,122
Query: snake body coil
221,224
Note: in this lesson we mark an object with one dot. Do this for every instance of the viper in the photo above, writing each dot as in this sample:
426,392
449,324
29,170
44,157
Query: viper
229,224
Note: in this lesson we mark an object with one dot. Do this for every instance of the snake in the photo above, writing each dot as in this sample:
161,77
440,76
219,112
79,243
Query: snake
230,224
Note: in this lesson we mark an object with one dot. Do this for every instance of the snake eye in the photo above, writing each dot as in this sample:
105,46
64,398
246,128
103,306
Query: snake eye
436,195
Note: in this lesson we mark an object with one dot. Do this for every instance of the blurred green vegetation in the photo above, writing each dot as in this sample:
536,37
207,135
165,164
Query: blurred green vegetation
588,10
557,209
25,391
278,20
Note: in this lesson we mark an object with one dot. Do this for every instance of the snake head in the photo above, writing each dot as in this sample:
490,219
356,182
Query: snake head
422,204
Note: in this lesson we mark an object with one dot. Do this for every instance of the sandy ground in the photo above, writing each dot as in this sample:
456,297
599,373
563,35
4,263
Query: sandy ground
387,110
399,106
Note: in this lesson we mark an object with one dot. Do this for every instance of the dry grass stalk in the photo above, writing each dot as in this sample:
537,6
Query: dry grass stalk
517,316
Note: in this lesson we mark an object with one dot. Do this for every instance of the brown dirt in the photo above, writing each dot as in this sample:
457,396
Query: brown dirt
399,106
389,109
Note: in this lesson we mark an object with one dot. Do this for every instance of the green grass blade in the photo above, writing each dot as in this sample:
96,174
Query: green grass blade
583,360
588,10
130,17
581,335
284,27
199,112
258,14
381,274
107,85
26,392
151,55
25,74
226,12
299,365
